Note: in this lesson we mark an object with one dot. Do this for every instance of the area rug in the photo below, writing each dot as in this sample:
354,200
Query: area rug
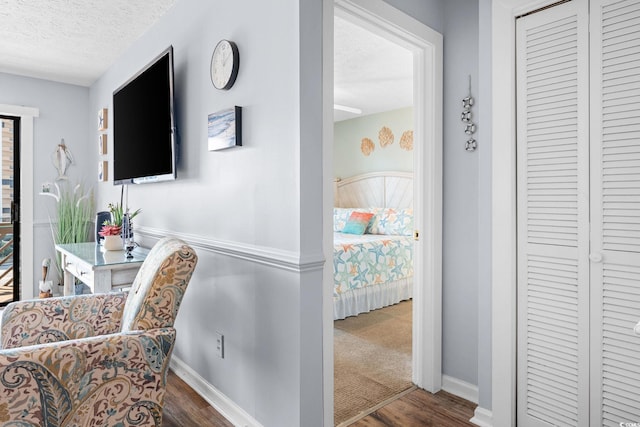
372,359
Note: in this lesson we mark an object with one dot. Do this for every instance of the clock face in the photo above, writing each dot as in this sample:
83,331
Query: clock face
224,64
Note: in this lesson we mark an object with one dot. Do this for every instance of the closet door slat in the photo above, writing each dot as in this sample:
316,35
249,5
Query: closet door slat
552,161
615,211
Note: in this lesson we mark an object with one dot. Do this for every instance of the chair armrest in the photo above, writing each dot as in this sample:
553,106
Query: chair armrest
60,319
117,379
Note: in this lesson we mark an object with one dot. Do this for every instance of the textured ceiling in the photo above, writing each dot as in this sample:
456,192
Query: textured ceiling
370,73
75,41
71,41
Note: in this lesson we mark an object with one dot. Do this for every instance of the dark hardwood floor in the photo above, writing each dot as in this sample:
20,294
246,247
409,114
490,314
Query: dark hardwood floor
421,408
184,407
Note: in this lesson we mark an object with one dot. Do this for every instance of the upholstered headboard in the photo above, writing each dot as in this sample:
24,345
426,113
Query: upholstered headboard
376,189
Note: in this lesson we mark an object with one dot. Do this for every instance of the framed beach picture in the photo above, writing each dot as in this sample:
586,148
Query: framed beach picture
225,129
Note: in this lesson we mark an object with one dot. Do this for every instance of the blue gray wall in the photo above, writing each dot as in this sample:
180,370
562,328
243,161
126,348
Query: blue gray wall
466,29
460,228
259,277
484,203
429,12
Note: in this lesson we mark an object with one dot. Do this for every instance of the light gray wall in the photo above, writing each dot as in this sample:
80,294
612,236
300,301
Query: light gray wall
429,12
466,352
460,228
252,198
248,201
64,113
222,181
484,204
348,159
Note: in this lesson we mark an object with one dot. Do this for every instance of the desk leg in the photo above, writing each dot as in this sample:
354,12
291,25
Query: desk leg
69,280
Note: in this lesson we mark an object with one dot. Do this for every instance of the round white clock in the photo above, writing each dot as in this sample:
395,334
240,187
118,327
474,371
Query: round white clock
225,62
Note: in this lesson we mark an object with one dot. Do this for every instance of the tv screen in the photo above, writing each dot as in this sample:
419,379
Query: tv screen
143,125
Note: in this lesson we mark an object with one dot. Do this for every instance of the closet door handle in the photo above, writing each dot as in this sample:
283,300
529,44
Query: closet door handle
595,257
636,329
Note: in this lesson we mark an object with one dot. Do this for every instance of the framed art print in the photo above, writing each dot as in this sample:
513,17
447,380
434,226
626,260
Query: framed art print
102,119
103,169
102,144
225,129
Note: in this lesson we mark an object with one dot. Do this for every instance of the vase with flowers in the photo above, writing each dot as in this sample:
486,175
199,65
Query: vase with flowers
112,238
121,218
118,228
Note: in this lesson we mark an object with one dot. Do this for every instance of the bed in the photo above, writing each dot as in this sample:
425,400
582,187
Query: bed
373,269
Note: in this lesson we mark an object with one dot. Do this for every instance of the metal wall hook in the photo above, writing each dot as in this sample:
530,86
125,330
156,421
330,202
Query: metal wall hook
470,127
471,145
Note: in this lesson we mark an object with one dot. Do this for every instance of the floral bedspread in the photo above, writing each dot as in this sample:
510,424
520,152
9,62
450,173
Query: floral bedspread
365,260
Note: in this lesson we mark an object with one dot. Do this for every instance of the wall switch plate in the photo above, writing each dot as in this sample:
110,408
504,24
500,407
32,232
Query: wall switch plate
220,345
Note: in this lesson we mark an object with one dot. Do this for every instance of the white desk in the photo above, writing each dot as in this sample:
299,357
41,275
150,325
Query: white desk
101,270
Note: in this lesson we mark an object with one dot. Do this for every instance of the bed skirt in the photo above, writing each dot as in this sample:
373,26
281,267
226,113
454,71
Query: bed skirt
369,298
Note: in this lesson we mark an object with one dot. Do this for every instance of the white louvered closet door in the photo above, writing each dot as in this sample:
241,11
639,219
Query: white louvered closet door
615,211
553,223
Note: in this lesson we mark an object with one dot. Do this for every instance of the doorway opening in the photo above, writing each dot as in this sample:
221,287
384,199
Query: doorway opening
9,210
373,168
425,46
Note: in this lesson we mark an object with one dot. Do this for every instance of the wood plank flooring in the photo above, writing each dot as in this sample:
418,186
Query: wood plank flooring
421,408
185,408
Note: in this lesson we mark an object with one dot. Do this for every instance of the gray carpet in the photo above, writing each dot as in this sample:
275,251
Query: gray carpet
372,359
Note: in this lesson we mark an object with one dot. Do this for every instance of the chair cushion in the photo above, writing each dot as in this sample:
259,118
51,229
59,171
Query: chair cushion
159,286
108,380
60,319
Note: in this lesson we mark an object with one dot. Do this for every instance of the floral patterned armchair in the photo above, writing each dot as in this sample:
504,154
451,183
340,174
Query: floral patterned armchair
95,360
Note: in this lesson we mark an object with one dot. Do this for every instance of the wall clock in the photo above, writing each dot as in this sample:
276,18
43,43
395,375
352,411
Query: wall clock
225,62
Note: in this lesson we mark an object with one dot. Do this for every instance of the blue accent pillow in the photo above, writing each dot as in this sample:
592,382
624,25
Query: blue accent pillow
357,223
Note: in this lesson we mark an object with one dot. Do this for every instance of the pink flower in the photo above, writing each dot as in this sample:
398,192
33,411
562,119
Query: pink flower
110,230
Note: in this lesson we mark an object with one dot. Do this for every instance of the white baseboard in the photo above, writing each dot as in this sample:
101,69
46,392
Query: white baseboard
460,388
482,417
227,408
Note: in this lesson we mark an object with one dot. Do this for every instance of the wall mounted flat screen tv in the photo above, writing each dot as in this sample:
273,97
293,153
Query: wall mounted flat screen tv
144,146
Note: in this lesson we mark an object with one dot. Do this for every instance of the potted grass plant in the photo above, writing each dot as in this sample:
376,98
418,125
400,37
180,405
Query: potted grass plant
74,211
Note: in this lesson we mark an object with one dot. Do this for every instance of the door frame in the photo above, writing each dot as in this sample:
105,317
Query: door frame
15,202
27,116
427,47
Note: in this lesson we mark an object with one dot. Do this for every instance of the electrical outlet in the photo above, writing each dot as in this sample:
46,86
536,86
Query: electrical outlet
220,345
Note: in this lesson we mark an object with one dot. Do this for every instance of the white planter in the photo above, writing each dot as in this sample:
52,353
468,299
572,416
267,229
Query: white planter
112,243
